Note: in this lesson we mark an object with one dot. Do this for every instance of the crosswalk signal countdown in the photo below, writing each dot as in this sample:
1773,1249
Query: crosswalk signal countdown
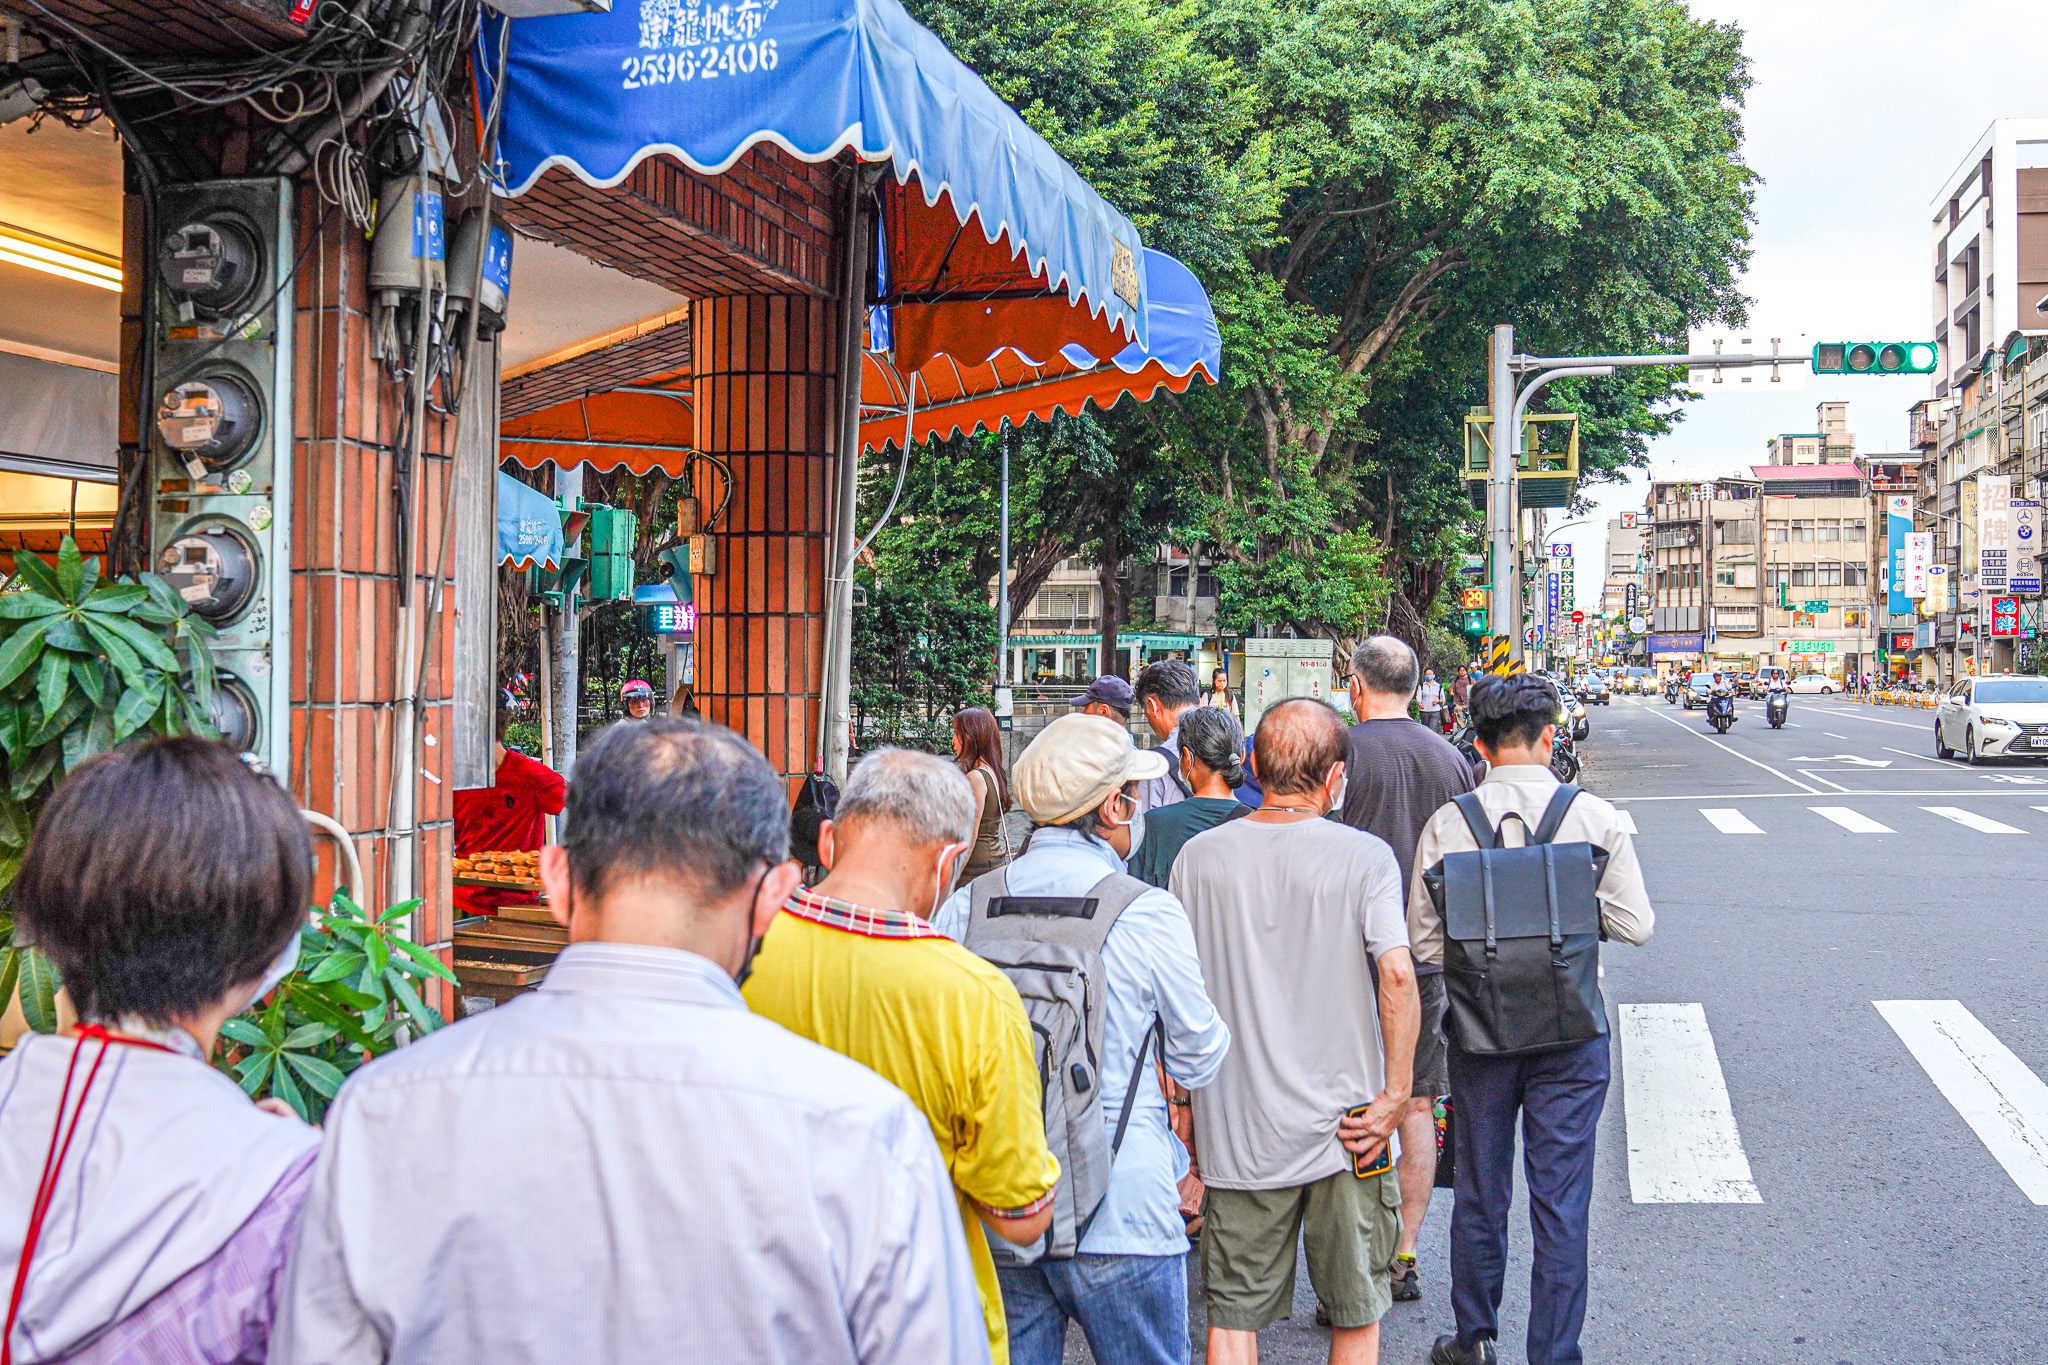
1875,357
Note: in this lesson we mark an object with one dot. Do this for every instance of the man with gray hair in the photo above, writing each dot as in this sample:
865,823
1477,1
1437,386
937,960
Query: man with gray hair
854,965
694,1183
1401,774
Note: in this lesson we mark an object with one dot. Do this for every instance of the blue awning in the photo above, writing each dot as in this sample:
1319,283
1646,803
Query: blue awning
953,397
704,80
529,526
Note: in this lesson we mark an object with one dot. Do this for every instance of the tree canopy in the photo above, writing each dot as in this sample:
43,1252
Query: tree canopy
1365,187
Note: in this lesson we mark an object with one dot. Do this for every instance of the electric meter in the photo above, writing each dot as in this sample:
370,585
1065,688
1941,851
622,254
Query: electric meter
233,713
212,420
213,566
213,263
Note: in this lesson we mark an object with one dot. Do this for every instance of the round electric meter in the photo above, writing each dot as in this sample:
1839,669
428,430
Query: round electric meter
214,263
212,565
234,713
214,419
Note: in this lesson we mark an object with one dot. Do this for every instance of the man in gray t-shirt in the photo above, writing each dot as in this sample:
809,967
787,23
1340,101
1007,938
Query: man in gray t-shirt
1401,774
1291,912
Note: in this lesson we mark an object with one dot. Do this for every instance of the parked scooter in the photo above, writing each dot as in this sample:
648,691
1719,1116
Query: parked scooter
1777,705
1721,708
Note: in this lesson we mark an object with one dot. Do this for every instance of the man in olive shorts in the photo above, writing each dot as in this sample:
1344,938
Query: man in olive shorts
1294,917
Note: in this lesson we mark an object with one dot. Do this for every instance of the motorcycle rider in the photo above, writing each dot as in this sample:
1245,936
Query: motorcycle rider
1721,702
1777,701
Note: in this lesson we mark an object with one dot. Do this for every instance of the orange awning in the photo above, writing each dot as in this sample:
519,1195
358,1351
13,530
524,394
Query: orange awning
641,430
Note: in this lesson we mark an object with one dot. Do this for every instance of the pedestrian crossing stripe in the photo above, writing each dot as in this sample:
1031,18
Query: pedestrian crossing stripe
1731,822
2003,1101
1683,1146
1971,820
1853,821
1683,1143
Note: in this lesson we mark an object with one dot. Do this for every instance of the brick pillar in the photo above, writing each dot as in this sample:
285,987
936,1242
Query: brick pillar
766,403
345,577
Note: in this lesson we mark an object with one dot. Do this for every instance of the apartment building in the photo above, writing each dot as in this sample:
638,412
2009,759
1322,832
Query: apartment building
1775,566
1057,640
1988,417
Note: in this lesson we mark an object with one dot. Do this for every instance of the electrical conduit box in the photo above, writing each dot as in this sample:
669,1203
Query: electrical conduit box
1275,670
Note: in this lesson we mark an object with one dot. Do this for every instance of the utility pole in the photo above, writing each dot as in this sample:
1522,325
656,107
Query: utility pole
1507,403
567,669
1506,591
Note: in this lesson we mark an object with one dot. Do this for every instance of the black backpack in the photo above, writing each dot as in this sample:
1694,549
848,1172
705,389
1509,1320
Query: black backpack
1522,935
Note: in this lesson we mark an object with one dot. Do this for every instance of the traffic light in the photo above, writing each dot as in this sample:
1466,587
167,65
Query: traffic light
613,532
220,440
1875,357
1475,621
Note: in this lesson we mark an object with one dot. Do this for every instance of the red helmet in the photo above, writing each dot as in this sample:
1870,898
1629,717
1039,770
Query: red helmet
636,687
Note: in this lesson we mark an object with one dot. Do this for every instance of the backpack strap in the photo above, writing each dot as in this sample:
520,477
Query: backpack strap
1553,814
1475,816
1155,1037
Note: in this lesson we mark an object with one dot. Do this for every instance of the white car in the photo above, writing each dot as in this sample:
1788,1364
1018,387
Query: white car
1815,682
1994,717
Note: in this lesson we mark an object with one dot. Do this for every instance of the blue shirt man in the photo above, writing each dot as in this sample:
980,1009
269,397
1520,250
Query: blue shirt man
1128,1284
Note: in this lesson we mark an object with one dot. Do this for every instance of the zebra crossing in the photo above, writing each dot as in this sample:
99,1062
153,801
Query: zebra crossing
1684,1142
1786,818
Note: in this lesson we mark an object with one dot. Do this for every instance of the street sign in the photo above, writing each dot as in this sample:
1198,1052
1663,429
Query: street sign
1638,624
1813,608
1578,618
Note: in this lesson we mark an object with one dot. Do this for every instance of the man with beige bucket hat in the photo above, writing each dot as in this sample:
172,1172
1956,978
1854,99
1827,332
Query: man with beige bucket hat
1063,912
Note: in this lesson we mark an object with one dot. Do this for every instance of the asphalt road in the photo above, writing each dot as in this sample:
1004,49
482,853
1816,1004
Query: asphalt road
1860,1185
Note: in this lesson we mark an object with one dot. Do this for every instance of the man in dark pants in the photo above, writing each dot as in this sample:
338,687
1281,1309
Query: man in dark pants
1557,1095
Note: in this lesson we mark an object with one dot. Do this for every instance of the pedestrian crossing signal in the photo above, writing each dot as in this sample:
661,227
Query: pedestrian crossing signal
1475,621
1875,357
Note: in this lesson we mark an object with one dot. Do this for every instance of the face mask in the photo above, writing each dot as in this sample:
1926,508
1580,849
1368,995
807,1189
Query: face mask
1137,828
739,978
280,967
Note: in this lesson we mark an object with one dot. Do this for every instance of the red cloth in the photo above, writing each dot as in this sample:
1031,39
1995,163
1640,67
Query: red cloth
504,817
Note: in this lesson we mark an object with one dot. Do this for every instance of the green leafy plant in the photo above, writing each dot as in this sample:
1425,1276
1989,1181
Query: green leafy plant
351,998
85,664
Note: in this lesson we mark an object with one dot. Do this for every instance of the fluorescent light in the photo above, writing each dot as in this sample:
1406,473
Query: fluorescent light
20,247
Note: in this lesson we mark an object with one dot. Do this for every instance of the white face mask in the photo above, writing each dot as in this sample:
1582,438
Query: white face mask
943,884
1343,786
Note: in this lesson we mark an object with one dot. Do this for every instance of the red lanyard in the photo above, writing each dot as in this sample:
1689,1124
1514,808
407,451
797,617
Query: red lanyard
53,1164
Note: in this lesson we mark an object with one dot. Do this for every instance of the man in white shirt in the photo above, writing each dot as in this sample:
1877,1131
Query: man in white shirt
626,1165
1554,1097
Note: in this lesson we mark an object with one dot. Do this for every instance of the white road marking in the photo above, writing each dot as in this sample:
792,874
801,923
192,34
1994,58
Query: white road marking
1808,772
1627,822
1739,754
1854,821
1683,1147
1927,758
2042,808
1832,735
1730,822
1971,819
2003,1102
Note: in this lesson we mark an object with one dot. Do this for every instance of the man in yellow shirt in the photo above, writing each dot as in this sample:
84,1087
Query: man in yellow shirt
853,965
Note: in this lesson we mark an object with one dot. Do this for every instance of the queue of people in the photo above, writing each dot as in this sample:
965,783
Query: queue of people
940,1106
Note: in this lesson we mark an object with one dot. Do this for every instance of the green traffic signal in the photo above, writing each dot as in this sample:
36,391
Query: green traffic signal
1875,357
1475,621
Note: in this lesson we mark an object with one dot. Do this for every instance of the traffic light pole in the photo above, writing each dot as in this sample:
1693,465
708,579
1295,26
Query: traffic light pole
1509,394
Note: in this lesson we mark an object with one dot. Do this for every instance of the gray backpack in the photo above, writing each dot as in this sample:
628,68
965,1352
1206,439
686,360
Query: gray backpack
1050,947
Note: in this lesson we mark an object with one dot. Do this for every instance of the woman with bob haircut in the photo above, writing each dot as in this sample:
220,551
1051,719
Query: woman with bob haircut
145,1204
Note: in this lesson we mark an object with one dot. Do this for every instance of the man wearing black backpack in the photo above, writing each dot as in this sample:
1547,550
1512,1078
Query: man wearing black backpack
1515,885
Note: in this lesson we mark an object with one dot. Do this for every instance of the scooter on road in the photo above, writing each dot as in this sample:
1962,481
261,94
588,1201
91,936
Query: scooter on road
1777,705
1671,691
1721,710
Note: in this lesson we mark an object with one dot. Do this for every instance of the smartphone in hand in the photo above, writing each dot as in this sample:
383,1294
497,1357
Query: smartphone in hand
1362,1165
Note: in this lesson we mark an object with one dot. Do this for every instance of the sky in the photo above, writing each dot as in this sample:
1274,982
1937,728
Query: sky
1859,112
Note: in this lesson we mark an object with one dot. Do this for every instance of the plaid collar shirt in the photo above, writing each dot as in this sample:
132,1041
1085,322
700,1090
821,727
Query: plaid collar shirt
857,919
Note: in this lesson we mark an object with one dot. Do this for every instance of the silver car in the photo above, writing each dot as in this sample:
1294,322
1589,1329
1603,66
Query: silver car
2001,716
